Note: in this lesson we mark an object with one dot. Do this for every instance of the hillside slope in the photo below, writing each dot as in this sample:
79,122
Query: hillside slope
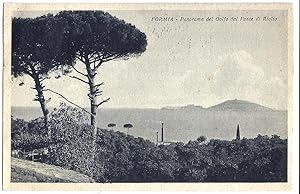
28,171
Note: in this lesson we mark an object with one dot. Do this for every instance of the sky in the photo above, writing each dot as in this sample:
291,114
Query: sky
186,62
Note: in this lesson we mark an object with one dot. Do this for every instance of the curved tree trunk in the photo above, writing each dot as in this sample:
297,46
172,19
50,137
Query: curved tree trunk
40,97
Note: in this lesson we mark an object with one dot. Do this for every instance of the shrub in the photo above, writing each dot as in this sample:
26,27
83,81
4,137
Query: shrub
73,140
26,136
73,149
261,159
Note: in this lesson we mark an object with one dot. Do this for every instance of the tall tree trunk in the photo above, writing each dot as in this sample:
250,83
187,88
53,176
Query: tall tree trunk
41,99
92,94
93,99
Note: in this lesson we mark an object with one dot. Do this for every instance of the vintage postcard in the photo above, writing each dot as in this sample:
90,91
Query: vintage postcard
155,97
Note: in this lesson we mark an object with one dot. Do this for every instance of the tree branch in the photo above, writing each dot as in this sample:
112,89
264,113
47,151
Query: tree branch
96,58
80,58
111,57
33,71
99,64
79,79
69,101
29,73
36,99
78,71
42,79
98,85
97,92
103,102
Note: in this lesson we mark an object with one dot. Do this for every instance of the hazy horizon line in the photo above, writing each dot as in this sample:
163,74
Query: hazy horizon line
167,106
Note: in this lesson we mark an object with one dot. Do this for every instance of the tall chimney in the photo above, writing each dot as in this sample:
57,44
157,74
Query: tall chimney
238,137
156,137
162,132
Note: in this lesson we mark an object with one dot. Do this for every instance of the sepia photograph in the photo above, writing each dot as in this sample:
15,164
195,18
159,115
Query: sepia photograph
157,94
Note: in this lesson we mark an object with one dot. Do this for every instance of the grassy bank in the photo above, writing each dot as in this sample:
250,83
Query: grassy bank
28,171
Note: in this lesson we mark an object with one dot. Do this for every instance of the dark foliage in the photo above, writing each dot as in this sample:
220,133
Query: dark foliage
111,125
128,125
27,136
121,158
100,35
37,46
73,148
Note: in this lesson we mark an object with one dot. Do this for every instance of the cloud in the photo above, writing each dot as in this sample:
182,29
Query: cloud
237,76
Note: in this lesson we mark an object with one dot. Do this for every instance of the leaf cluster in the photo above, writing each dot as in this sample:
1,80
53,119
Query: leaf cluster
100,36
38,47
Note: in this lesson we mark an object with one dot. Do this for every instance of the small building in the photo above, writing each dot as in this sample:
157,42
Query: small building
165,143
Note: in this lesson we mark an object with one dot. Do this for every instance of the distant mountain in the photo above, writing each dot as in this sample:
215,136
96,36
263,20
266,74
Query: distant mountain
229,105
240,105
187,107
